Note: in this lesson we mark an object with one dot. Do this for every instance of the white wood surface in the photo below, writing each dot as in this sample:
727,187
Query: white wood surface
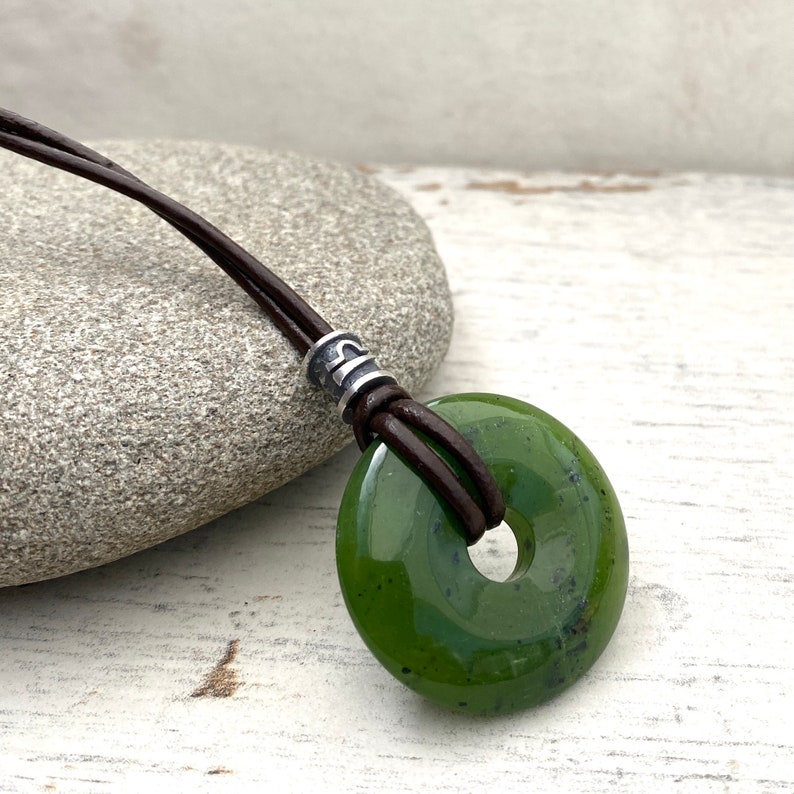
652,314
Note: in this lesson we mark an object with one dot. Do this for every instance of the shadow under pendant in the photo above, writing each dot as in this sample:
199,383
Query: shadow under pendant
425,611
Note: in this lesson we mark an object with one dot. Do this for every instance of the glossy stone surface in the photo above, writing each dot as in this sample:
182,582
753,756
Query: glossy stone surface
432,619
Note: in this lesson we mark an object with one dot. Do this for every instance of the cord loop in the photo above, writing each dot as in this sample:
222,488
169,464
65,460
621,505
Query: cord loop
435,449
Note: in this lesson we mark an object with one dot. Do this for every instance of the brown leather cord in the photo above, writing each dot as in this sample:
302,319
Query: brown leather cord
368,405
387,410
395,402
15,124
401,438
430,424
291,314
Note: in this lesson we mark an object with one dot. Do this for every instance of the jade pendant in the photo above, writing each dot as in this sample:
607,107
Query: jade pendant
425,611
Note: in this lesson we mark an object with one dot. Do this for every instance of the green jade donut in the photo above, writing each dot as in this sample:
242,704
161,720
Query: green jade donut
432,619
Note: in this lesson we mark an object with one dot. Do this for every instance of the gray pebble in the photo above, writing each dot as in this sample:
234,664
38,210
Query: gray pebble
142,393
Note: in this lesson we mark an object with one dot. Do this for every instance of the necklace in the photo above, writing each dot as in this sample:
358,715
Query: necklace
431,481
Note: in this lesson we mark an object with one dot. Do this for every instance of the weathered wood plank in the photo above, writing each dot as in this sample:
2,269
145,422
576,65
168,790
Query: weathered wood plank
653,314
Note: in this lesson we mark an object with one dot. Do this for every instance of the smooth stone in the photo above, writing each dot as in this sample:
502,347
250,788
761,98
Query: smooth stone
427,613
144,393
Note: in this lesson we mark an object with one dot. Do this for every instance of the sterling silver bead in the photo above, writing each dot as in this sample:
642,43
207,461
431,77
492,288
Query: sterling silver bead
340,365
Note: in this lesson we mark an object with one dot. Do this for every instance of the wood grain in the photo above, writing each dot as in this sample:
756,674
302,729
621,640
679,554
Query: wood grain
652,314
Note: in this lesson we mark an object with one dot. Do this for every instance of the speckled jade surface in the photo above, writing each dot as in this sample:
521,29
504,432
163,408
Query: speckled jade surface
426,612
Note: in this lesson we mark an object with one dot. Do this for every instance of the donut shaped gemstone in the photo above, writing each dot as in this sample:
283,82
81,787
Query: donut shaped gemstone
425,611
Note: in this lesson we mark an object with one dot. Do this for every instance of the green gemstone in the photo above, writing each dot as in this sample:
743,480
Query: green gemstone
432,619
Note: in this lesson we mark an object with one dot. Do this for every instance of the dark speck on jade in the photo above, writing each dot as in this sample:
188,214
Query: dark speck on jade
577,649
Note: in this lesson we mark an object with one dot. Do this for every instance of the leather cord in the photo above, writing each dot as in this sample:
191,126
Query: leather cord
407,426
424,440
291,314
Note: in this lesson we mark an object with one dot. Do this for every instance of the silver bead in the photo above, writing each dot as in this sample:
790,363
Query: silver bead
343,367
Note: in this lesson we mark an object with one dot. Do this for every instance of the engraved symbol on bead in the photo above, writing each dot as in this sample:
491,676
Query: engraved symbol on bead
343,367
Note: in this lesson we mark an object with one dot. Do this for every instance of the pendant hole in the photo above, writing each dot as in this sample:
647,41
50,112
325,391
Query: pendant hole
495,555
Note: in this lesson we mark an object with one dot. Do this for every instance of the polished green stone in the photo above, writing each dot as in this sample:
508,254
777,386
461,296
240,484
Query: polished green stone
432,619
